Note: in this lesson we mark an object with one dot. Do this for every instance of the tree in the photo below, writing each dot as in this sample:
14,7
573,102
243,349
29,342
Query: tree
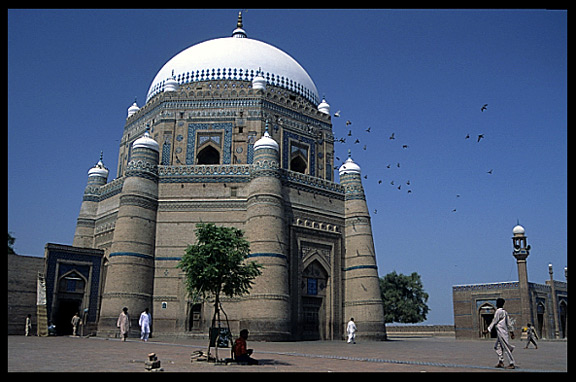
11,240
404,298
216,265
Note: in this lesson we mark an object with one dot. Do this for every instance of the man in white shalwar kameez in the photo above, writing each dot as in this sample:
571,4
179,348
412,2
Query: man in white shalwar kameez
503,326
351,330
144,323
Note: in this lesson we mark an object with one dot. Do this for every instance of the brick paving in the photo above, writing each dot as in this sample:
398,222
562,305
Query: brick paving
435,354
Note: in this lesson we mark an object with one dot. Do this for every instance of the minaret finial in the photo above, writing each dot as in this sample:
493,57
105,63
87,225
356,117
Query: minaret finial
239,32
101,155
239,25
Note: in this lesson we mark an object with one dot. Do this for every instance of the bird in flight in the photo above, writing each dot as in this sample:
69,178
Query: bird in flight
392,136
480,136
348,123
484,107
368,129
337,114
489,172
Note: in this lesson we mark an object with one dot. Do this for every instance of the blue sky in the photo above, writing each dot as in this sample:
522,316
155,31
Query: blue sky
420,74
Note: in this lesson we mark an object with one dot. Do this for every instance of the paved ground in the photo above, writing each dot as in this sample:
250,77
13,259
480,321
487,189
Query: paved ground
444,354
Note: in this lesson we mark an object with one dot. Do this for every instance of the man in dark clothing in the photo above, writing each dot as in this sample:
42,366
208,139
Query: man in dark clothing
241,353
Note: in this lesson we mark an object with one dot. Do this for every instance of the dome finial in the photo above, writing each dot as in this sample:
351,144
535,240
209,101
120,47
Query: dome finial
239,25
239,32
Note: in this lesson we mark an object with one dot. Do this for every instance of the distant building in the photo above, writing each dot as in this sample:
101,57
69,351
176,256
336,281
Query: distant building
22,278
543,305
72,278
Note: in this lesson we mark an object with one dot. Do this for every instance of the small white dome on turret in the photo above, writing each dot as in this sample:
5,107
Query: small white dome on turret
99,169
324,107
518,230
259,82
132,109
349,167
266,142
171,85
147,142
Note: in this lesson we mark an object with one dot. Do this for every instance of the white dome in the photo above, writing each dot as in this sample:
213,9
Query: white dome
258,82
132,109
99,169
236,58
170,85
324,107
349,167
266,142
518,230
147,142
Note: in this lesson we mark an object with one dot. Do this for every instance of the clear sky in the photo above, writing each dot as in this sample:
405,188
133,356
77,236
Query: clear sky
422,75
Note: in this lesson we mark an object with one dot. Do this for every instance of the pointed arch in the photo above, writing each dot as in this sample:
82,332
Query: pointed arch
208,155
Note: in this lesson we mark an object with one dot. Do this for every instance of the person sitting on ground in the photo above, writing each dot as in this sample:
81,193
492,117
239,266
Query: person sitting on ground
241,353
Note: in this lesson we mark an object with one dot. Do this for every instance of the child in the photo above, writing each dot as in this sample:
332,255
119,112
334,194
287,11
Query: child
503,327
532,336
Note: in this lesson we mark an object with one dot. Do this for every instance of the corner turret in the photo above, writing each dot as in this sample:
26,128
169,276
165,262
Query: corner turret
84,233
362,298
130,274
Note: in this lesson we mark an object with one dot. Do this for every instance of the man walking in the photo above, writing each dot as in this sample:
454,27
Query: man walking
503,326
144,323
123,323
75,322
531,336
351,330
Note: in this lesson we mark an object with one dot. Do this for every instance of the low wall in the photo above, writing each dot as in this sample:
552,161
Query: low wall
420,330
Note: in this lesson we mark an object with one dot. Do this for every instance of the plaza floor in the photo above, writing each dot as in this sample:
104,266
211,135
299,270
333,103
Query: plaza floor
435,354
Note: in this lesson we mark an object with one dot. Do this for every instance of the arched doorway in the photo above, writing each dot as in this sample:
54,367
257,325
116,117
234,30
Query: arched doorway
69,299
485,317
540,310
299,158
563,318
208,155
298,164
314,283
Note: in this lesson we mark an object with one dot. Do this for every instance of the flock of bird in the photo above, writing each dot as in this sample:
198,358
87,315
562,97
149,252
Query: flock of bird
353,137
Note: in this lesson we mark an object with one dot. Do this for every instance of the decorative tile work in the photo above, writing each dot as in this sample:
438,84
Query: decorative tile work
287,138
191,144
237,74
204,173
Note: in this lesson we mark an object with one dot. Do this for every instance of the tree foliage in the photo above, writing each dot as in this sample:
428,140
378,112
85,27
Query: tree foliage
216,264
11,240
404,298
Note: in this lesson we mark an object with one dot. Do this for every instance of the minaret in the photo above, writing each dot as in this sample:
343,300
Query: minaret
130,271
84,234
521,252
269,313
362,300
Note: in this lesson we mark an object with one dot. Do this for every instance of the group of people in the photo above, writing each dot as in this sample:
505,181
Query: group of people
501,322
144,322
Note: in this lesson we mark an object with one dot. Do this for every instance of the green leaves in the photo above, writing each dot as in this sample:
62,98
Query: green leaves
216,263
404,298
